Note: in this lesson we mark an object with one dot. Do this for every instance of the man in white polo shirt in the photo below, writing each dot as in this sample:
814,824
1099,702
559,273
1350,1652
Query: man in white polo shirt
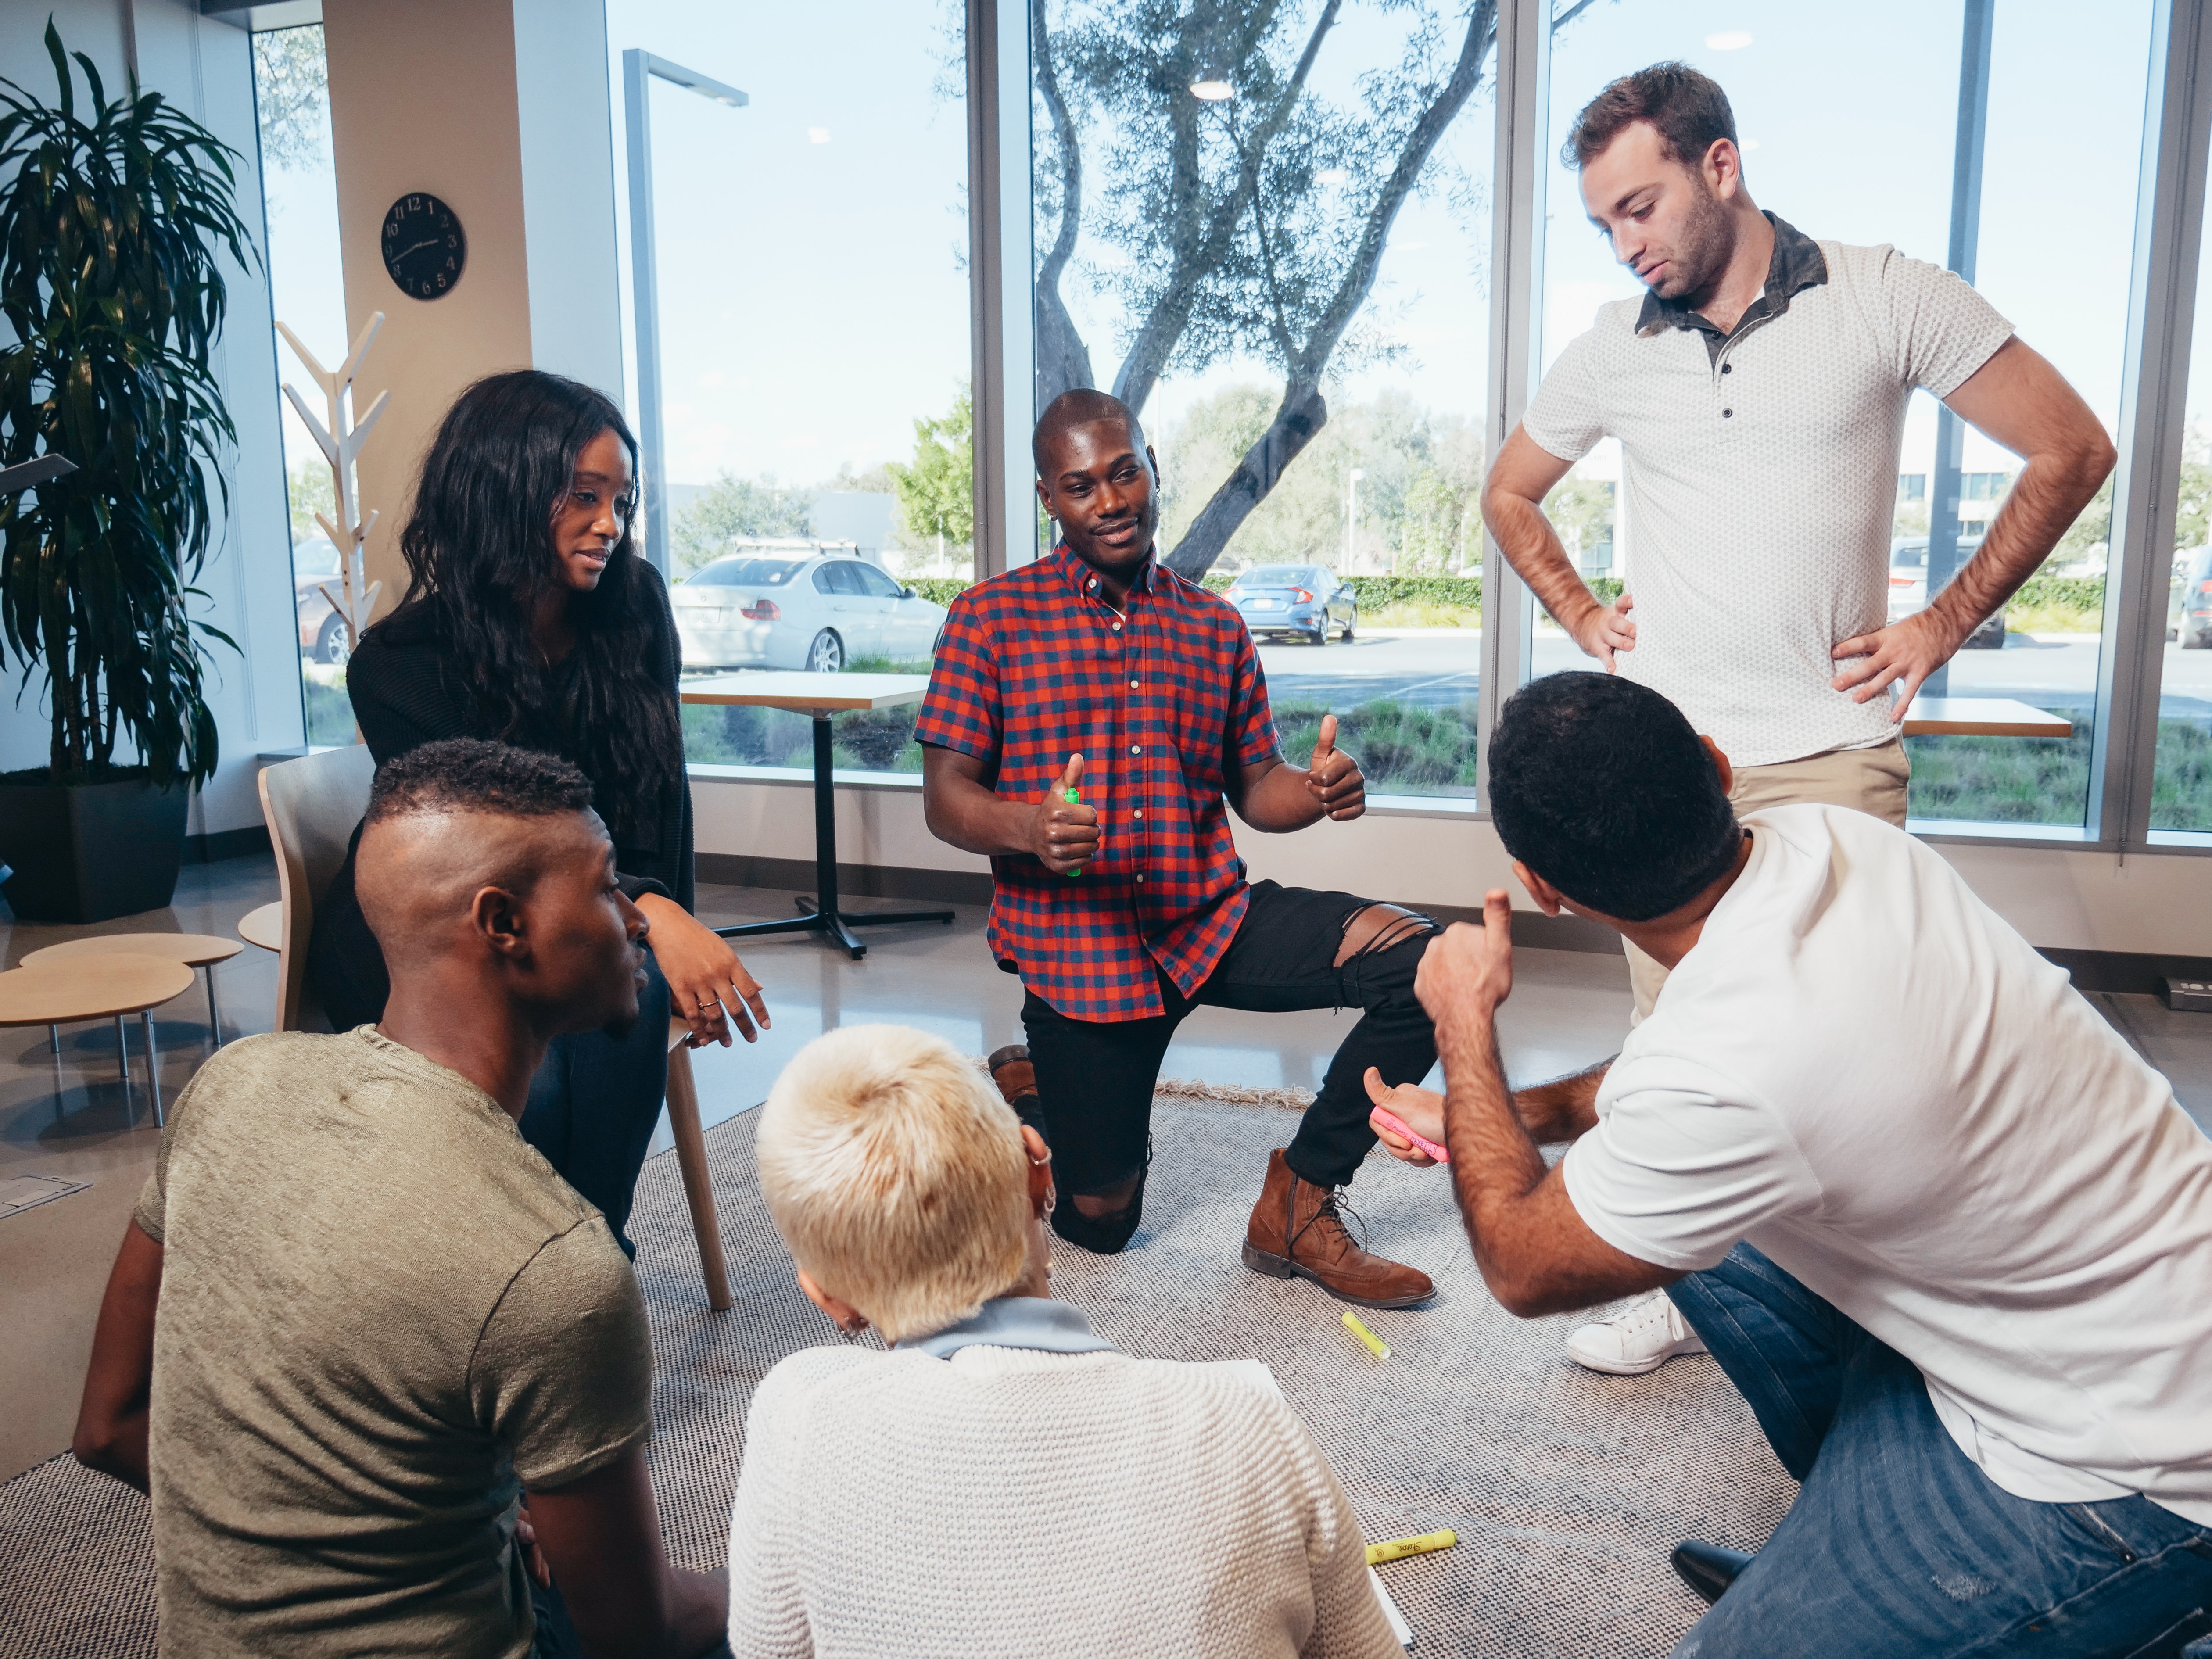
1758,392
1948,1234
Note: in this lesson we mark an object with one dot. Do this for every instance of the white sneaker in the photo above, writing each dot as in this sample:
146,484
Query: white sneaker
1651,1332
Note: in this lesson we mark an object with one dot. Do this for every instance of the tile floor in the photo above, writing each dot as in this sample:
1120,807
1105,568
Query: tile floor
73,1119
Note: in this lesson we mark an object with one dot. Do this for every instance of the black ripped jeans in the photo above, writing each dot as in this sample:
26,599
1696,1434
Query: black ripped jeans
1095,1080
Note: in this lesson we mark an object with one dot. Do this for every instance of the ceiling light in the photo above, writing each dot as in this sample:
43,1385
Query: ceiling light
1212,92
1332,175
1729,40
818,134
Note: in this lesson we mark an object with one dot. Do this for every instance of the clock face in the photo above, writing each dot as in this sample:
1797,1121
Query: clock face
424,246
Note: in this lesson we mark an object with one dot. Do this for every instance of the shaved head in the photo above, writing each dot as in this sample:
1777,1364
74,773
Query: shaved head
1083,406
483,870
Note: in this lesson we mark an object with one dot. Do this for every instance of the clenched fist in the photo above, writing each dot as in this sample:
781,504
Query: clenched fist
1064,833
1334,779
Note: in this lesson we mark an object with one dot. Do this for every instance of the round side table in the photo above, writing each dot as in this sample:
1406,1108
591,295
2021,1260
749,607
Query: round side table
263,926
193,950
102,986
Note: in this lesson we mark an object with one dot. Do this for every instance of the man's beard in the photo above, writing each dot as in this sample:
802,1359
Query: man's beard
1707,245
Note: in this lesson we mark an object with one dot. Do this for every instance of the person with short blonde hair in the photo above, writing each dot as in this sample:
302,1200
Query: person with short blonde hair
1003,1474
896,1174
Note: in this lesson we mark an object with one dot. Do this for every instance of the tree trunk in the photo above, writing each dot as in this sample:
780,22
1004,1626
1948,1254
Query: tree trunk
1063,361
1304,412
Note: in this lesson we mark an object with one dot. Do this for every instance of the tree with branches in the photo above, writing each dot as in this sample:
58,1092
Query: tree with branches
1248,225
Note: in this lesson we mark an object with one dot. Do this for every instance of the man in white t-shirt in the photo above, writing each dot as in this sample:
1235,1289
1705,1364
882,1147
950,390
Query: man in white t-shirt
1758,392
1948,1234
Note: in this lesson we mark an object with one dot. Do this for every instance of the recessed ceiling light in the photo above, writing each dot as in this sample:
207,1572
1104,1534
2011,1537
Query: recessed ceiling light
1213,91
818,135
1332,175
1729,40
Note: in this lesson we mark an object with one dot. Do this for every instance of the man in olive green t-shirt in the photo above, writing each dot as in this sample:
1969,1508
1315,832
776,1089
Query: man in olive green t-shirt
357,1313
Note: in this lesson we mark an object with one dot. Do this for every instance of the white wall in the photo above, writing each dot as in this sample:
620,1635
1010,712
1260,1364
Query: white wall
2159,905
203,67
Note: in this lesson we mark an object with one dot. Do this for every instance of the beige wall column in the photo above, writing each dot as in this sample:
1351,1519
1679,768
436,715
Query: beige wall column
500,108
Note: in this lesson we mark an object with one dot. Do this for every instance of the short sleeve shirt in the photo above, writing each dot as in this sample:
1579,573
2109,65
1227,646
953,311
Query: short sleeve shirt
1867,1075
1758,479
1162,702
380,1311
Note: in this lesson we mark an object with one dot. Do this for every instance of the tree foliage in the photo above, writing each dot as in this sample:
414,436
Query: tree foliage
113,220
1248,228
936,490
733,506
291,96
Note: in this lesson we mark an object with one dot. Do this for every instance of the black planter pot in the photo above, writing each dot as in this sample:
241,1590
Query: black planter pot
92,851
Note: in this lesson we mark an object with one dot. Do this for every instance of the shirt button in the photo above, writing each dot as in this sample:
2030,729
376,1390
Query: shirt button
1136,748
1726,413
1140,877
1133,685
1727,368
1140,811
1117,628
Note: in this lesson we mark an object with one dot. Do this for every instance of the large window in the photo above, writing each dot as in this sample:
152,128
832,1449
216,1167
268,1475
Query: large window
2181,781
811,272
1850,134
1268,229
308,288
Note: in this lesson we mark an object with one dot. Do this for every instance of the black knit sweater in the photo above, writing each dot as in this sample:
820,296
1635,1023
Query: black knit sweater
407,692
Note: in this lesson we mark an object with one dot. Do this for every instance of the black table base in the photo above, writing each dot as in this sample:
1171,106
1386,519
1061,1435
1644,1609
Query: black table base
822,915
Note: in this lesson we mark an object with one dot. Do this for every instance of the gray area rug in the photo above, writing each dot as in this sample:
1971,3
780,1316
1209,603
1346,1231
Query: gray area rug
1566,1489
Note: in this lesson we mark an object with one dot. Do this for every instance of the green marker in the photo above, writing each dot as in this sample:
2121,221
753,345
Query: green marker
1074,798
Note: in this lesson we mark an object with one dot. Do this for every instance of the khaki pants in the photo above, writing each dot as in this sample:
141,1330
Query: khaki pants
1869,780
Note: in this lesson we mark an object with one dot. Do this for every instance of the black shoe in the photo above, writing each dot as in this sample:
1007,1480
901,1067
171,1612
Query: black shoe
1707,1568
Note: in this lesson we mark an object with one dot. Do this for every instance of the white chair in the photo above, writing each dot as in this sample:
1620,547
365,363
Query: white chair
311,806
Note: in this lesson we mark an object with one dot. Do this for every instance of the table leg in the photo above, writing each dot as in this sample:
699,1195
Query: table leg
54,1037
153,1064
215,1010
123,1068
823,915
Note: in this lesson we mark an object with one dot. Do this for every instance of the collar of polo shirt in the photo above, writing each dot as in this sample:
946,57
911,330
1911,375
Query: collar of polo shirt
1797,265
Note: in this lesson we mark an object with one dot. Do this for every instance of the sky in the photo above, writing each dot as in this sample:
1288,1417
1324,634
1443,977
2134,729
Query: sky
812,288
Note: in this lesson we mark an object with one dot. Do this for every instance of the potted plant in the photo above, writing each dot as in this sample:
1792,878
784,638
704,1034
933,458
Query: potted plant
112,217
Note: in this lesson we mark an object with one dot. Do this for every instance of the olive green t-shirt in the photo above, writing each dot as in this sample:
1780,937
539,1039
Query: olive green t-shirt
379,1309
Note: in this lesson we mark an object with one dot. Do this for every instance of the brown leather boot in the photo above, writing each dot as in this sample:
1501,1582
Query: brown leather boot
1010,1070
1296,1232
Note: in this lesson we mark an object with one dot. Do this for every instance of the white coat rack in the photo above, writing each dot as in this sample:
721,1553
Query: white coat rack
341,442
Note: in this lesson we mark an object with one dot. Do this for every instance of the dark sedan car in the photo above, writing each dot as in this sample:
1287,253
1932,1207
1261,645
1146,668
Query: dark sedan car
1302,599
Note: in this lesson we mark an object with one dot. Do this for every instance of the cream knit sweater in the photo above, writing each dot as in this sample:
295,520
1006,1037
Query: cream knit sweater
1016,1503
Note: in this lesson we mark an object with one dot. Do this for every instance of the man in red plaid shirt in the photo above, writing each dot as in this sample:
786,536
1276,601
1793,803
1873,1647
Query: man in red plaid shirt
1090,719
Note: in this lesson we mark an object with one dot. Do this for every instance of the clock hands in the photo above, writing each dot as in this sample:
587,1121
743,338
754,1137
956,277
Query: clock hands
418,248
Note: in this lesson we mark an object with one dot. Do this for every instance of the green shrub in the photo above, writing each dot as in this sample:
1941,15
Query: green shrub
939,590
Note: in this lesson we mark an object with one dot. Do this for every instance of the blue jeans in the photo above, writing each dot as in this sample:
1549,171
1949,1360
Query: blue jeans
557,1637
595,1100
1898,1545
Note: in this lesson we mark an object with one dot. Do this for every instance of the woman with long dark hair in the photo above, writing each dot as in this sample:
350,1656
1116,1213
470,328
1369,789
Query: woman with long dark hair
531,619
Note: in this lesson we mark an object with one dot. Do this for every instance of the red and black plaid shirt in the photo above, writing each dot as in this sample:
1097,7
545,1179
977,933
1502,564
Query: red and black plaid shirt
1162,703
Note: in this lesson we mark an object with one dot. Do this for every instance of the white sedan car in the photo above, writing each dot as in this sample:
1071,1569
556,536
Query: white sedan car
816,611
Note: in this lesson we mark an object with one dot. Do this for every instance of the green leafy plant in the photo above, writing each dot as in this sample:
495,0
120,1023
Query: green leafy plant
111,223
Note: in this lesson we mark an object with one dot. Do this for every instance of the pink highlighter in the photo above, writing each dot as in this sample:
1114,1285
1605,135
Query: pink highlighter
1396,1125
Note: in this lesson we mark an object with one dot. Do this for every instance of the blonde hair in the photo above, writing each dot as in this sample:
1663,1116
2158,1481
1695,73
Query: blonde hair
896,1175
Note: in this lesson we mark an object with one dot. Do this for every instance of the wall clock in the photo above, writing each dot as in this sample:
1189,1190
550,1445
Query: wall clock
424,246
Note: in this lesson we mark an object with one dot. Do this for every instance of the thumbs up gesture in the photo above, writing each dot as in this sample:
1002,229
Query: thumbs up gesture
1333,779
1064,832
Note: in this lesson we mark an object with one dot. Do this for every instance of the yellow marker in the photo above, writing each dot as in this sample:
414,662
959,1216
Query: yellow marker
1375,1345
1398,1548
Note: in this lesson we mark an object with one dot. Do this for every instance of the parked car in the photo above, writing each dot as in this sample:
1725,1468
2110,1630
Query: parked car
1908,588
322,630
1285,599
2189,619
816,611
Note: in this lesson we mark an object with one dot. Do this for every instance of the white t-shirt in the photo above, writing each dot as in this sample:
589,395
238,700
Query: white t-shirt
1864,1071
1760,488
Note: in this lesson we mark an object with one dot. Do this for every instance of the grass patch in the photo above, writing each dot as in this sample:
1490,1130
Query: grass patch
330,712
2181,782
1416,613
1403,751
2052,616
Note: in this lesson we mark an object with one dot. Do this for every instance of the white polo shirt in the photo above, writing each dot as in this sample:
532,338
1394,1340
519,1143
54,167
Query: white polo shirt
1760,479
1863,1071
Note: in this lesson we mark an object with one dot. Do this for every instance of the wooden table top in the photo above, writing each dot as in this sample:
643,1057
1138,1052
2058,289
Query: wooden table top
805,693
263,926
193,950
1982,717
95,987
